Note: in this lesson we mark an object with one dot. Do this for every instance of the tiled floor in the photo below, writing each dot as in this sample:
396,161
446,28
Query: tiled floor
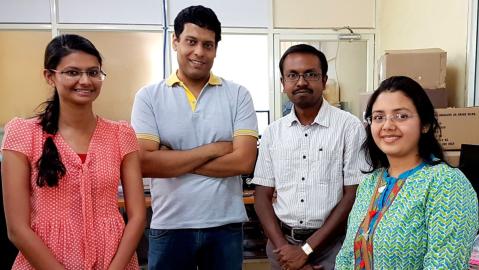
256,264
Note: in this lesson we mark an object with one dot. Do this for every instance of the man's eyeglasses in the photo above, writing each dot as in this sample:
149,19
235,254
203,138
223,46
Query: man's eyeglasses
308,76
75,75
381,118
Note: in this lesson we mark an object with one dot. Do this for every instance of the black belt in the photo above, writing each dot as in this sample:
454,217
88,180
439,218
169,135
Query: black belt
296,233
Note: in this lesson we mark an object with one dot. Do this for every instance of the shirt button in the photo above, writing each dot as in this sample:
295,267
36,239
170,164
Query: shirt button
320,149
302,178
302,200
300,222
306,135
304,157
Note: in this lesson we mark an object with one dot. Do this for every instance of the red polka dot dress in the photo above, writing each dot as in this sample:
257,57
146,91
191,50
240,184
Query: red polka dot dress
79,219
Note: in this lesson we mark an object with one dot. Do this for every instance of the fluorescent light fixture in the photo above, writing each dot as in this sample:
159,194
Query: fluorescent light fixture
349,36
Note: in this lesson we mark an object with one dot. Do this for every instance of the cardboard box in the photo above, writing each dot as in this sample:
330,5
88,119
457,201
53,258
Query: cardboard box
458,126
452,157
438,97
331,92
363,101
426,66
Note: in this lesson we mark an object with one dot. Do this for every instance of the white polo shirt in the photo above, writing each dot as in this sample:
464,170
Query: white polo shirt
309,165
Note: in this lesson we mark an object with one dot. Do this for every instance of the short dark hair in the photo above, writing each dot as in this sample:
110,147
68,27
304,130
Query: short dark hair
202,16
429,146
305,48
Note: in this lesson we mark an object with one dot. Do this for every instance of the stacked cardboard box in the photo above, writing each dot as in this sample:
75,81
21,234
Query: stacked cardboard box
458,126
452,157
438,98
331,92
425,66
428,68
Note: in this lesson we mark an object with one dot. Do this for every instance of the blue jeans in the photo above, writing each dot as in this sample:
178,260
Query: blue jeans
217,248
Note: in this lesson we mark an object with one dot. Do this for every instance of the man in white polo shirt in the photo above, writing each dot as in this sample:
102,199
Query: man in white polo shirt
197,133
311,159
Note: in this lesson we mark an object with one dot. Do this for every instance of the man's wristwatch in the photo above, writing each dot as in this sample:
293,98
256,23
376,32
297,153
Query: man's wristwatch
307,249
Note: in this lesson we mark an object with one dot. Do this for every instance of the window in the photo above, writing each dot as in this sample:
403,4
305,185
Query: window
243,59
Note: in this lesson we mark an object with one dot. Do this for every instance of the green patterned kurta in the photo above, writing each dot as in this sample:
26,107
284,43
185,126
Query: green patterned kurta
430,225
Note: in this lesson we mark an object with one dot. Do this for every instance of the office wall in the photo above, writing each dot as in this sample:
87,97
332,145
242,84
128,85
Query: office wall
131,61
22,86
411,24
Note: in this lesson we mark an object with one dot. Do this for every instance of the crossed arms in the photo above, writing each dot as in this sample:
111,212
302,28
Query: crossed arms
218,159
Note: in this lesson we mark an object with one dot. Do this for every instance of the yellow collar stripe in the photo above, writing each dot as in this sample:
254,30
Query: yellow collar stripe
173,79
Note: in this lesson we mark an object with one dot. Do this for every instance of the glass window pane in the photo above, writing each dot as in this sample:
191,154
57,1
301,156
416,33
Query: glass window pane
111,11
244,60
22,87
131,61
25,11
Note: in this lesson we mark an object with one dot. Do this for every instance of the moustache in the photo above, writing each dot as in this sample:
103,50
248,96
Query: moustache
307,90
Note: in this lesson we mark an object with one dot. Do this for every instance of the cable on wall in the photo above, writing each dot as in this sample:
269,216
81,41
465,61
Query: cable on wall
351,36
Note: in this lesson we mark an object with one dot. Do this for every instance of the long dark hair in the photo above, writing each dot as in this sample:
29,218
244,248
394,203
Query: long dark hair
50,166
429,147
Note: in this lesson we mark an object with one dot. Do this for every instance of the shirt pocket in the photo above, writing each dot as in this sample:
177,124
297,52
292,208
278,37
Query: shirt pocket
283,159
328,166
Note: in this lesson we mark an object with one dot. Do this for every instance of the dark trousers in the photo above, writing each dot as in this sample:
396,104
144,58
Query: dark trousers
218,248
325,257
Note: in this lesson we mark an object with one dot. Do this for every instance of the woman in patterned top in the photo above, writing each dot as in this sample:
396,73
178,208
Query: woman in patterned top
412,211
61,172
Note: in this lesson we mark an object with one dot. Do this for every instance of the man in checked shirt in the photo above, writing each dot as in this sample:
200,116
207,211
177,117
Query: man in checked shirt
311,158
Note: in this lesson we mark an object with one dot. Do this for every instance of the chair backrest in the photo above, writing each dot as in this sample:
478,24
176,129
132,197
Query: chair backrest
9,251
469,164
